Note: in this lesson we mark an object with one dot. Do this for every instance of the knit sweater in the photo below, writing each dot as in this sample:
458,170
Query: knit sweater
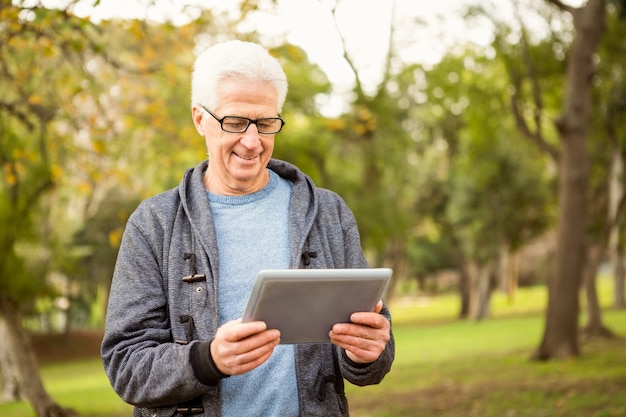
251,232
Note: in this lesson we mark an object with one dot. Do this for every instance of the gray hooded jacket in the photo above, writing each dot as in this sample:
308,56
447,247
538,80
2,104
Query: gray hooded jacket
159,327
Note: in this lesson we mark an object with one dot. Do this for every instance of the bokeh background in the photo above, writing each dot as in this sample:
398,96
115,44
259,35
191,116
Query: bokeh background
480,144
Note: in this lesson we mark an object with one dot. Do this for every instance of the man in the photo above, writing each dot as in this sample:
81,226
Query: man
174,342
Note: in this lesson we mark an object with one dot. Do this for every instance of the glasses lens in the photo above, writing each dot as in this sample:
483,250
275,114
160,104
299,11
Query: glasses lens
270,125
234,124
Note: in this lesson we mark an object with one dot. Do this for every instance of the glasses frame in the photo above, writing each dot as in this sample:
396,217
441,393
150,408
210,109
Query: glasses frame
249,122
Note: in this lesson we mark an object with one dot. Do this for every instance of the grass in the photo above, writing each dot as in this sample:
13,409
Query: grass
443,367
483,370
80,385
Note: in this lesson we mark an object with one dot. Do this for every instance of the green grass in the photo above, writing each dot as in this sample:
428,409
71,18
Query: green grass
443,367
484,370
82,386
450,368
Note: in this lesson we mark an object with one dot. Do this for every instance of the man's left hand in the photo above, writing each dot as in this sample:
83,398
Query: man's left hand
365,338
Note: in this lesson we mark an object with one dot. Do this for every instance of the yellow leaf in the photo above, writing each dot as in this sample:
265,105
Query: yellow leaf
34,99
84,187
11,179
99,147
115,237
57,172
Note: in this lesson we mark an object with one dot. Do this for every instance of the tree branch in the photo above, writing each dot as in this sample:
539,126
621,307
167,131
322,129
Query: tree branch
535,137
389,56
11,108
346,56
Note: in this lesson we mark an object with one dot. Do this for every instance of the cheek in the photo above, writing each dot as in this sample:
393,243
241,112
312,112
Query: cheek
268,148
216,144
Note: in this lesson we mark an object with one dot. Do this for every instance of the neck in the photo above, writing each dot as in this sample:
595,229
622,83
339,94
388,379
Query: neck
213,185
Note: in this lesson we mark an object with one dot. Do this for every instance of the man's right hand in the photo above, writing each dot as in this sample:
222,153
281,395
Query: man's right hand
240,347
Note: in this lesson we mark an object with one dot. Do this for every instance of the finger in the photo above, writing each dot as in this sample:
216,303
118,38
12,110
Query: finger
235,331
379,306
242,368
358,349
250,358
374,320
354,334
234,358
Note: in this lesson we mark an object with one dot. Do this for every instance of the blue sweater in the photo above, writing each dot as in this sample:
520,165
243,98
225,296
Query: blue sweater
252,234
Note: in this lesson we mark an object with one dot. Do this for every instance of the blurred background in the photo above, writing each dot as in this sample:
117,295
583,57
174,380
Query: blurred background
480,144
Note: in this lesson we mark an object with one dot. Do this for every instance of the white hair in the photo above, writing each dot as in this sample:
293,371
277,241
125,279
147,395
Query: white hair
237,60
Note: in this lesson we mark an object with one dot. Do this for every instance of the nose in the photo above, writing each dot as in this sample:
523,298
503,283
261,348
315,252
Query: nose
251,137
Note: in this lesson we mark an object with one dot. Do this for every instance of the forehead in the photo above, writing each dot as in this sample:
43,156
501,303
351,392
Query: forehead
240,96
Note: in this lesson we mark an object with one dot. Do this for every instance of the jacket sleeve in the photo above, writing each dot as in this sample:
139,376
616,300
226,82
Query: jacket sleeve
372,373
145,367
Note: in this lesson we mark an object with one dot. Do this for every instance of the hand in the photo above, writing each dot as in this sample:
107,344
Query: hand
365,338
240,347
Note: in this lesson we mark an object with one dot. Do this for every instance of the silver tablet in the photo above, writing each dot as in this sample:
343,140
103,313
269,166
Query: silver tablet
304,304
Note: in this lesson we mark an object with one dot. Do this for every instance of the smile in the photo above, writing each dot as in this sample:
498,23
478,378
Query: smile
247,158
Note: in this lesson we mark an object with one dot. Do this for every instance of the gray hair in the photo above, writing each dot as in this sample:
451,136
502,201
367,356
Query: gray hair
237,60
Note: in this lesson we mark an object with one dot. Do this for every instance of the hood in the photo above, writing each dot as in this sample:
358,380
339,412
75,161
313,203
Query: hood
302,210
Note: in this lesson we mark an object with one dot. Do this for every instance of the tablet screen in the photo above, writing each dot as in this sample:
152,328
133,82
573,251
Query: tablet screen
304,304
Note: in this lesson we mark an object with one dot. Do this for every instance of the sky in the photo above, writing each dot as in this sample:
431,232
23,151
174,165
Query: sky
424,30
364,24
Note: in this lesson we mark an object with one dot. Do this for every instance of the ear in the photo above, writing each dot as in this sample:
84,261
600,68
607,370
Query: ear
197,115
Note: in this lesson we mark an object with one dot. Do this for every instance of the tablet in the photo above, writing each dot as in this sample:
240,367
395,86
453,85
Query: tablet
304,304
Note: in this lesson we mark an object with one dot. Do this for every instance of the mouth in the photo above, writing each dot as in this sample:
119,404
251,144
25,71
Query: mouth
246,157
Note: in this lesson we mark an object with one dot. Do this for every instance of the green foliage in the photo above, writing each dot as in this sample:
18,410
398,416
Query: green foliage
305,140
40,79
480,183
87,111
609,117
96,117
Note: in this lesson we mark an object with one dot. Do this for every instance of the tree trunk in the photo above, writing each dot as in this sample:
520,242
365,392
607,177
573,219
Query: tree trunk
595,326
17,342
619,276
508,274
616,247
480,291
560,337
10,386
464,291
396,258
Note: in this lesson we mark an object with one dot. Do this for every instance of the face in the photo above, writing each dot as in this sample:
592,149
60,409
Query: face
237,161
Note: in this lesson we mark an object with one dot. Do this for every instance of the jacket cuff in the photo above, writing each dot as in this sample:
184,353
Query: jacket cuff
353,364
203,365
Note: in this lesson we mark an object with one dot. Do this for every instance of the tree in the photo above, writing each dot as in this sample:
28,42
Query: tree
607,199
369,143
560,337
582,174
62,136
40,76
492,189
86,109
612,116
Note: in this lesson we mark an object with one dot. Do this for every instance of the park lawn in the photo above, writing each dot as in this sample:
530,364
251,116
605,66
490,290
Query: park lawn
465,369
443,367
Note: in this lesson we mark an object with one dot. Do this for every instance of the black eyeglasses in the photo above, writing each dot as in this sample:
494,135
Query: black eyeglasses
237,124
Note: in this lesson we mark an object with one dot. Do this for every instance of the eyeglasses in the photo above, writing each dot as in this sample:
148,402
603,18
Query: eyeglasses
237,124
